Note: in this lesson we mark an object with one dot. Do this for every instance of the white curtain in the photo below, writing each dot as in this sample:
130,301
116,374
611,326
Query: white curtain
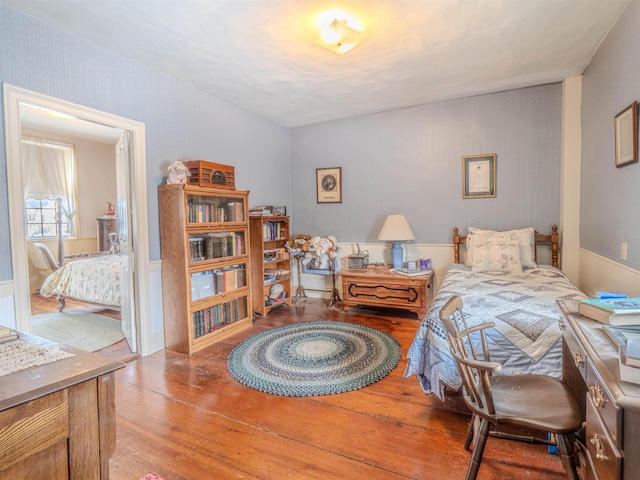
49,170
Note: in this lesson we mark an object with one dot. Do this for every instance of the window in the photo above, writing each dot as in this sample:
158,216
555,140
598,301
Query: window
41,220
49,180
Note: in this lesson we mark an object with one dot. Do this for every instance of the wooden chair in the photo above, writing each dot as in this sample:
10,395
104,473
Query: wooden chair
533,401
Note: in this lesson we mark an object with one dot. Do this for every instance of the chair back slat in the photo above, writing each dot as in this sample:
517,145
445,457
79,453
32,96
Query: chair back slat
474,371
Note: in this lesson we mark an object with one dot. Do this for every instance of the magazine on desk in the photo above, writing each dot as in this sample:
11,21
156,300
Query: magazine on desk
627,340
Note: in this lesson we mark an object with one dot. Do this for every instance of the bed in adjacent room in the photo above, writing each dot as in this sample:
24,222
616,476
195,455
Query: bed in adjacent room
499,281
93,279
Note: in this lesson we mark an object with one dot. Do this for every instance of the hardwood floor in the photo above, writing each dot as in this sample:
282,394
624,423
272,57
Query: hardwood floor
186,418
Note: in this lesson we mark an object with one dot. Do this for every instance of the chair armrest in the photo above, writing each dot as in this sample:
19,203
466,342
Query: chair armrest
481,365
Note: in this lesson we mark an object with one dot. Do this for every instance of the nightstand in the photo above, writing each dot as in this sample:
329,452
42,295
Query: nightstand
385,288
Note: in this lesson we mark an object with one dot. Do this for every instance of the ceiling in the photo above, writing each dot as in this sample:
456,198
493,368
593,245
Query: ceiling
263,55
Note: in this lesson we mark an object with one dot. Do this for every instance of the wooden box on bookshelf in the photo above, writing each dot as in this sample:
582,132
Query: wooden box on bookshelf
206,270
209,174
270,261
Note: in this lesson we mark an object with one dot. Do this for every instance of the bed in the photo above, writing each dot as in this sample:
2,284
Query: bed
499,281
93,279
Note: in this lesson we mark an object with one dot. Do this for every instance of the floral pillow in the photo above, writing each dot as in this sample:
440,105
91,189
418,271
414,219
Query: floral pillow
496,256
525,236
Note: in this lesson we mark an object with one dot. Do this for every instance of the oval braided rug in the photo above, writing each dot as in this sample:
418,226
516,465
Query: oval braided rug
314,358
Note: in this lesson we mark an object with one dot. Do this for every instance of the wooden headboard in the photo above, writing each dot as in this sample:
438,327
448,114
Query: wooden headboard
553,238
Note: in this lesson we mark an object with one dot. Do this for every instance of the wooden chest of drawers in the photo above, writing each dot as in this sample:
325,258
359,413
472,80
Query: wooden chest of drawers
610,406
384,288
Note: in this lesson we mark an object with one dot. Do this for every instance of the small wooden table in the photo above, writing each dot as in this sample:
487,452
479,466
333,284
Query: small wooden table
58,420
385,288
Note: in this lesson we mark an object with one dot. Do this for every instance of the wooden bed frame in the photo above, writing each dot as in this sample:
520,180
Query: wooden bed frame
553,238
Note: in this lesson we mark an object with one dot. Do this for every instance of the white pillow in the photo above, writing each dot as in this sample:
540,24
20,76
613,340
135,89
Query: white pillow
525,236
496,256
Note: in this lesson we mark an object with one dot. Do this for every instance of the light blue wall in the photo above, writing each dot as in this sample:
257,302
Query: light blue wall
410,161
406,161
181,121
610,199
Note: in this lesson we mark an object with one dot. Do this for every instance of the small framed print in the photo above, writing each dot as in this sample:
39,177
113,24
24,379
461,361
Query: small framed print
479,176
626,131
329,185
280,211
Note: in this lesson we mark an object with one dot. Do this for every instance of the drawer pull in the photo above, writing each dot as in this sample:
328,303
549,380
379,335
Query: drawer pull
597,396
596,442
577,358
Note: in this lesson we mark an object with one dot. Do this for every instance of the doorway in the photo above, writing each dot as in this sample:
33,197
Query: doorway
131,198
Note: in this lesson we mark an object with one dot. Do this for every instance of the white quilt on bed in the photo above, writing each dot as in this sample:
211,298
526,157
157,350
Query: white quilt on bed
94,279
526,337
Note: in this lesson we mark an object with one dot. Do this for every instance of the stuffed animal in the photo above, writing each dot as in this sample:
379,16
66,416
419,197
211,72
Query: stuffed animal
326,252
178,173
309,249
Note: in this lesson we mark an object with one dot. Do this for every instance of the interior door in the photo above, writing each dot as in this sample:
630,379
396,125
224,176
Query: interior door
123,202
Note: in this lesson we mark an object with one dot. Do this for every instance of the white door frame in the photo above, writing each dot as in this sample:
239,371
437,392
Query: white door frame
13,97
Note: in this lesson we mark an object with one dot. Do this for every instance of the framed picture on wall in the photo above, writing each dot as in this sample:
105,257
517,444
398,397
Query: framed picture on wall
626,131
329,185
479,176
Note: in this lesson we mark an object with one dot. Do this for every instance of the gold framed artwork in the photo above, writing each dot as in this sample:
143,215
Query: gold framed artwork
329,185
626,135
479,176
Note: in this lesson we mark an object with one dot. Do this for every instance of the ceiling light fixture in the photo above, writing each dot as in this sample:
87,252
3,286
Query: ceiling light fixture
339,37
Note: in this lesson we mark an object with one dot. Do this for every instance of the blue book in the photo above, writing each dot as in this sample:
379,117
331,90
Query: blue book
602,295
618,306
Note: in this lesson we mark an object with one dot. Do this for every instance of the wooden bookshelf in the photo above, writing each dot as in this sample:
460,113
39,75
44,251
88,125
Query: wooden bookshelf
270,261
206,271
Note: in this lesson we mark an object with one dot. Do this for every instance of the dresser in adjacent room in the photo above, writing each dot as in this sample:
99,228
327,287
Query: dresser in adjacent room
106,225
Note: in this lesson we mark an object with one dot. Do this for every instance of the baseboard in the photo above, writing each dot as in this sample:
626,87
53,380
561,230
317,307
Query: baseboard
600,273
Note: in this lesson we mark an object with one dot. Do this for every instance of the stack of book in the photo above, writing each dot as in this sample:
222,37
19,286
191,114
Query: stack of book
619,310
7,335
627,339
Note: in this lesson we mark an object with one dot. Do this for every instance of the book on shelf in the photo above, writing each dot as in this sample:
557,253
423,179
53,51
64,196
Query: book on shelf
261,210
412,273
604,316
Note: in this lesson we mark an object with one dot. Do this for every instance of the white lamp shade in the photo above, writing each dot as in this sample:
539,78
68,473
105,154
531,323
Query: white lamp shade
396,229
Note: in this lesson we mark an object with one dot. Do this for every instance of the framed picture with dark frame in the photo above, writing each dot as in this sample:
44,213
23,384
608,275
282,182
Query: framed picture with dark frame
626,131
329,185
479,176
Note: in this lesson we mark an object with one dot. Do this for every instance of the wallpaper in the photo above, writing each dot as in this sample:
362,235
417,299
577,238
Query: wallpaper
409,161
181,122
610,200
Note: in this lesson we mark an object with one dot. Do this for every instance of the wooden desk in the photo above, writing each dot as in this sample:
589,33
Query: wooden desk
58,420
384,288
610,406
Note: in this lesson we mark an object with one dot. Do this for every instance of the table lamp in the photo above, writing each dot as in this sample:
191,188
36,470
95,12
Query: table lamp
396,230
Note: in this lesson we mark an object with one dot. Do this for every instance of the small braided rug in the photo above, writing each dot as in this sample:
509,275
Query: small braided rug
314,358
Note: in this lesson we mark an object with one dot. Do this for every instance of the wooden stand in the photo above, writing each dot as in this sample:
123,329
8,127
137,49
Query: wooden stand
301,291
